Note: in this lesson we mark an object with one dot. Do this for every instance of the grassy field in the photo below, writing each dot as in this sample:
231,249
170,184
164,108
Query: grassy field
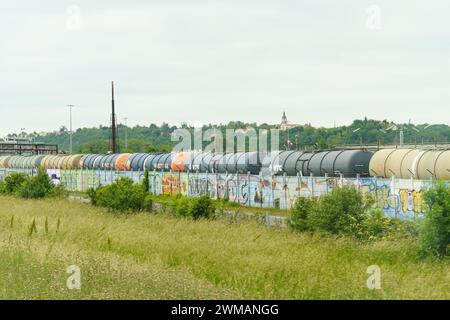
160,257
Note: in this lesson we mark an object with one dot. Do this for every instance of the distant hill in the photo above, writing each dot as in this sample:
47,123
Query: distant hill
154,138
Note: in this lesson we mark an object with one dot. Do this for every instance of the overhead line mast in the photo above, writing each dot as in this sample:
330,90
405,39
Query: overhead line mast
113,123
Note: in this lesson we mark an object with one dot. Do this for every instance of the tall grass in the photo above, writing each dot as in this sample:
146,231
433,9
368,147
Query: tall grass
160,256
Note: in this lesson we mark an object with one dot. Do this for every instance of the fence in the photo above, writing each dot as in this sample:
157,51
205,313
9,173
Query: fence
402,198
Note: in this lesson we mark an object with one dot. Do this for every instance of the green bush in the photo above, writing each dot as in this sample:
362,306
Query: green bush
300,212
344,211
377,226
14,182
341,212
182,206
37,187
202,207
92,195
435,234
121,195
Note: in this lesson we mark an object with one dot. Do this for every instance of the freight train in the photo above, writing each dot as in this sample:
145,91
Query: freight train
411,163
386,163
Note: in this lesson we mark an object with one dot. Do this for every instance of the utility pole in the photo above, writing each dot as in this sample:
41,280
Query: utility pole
126,133
70,106
113,122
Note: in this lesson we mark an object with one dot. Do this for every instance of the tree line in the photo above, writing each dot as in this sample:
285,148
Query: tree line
157,138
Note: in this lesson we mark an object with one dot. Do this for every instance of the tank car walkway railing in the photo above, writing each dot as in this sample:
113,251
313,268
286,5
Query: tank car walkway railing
27,148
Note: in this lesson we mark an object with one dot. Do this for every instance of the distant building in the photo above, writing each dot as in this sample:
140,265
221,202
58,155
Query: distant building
285,125
284,118
16,140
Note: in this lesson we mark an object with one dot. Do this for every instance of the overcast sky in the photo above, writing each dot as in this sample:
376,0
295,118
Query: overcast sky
202,61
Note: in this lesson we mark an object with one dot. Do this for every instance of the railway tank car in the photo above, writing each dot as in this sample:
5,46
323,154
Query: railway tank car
203,162
4,161
411,163
349,163
133,161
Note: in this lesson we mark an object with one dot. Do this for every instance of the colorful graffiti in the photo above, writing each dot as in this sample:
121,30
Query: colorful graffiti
173,184
396,197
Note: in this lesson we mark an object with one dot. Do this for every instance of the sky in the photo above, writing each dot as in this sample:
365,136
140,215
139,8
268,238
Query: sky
324,62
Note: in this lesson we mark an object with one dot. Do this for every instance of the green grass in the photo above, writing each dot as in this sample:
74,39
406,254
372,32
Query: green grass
161,257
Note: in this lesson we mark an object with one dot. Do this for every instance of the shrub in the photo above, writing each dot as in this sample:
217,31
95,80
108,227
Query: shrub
122,195
403,228
347,212
341,212
37,187
376,225
300,212
92,195
202,207
435,234
182,206
14,182
196,208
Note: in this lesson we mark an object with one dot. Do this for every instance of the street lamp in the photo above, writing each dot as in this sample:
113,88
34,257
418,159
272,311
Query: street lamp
360,137
434,137
421,132
401,132
70,106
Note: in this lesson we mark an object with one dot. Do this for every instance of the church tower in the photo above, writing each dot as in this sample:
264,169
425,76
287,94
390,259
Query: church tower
284,119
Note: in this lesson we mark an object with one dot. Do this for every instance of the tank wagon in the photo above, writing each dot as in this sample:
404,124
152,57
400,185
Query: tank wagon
411,163
240,162
4,161
349,163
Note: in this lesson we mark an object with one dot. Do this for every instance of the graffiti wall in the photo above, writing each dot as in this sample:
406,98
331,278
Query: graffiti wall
396,197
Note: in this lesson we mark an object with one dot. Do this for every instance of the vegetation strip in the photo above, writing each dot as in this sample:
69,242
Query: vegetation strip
156,256
333,242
